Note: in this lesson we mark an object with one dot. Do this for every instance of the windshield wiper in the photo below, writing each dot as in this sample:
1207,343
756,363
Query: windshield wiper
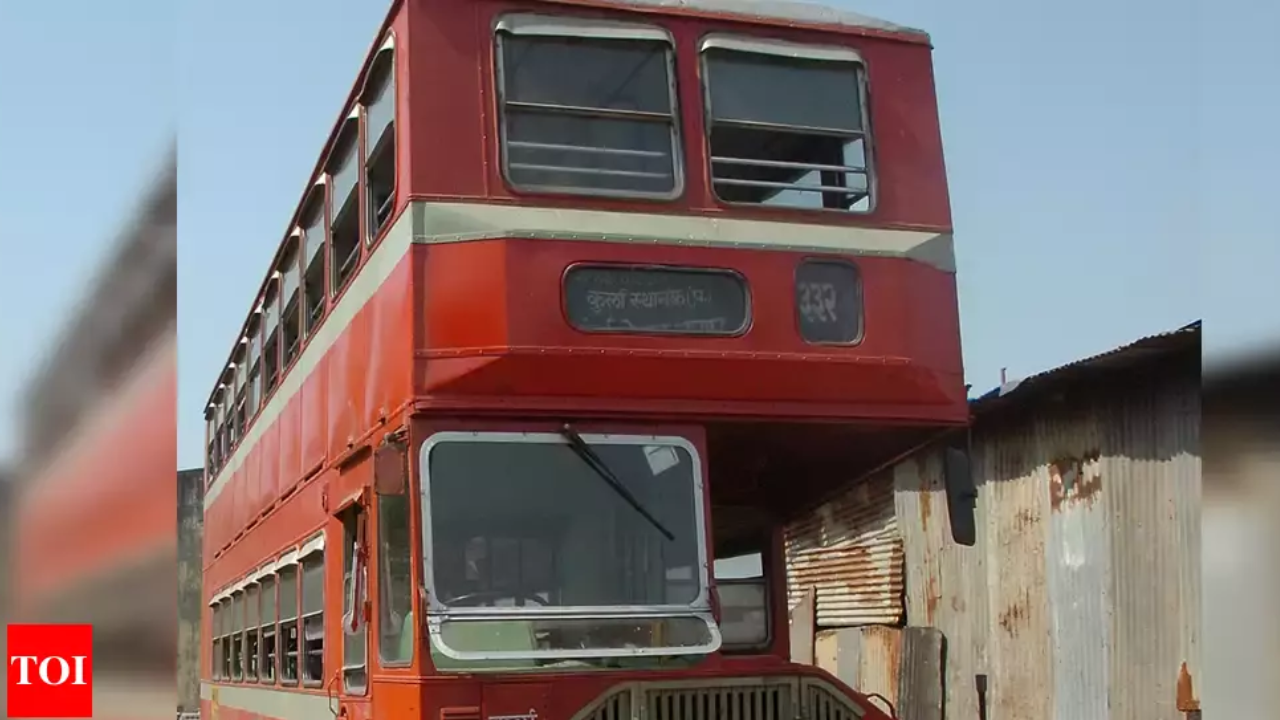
593,461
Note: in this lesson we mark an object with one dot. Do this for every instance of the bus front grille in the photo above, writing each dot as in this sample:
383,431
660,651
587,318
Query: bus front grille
759,698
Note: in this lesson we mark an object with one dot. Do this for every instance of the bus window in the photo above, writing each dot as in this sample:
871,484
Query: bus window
271,342
787,124
267,644
252,610
313,242
237,635
744,602
380,134
355,650
313,619
290,330
219,649
344,235
289,625
396,627
587,108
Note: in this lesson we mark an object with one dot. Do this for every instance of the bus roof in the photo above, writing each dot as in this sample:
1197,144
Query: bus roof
785,11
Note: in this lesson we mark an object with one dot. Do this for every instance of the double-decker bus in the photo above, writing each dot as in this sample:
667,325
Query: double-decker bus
581,297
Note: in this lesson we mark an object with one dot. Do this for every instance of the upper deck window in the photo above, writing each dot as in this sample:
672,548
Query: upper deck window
787,125
313,242
345,230
587,107
380,138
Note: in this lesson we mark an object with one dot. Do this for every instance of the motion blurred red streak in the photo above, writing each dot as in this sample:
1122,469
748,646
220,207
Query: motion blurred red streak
107,499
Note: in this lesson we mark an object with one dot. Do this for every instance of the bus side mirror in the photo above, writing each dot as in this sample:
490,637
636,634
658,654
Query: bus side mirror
962,496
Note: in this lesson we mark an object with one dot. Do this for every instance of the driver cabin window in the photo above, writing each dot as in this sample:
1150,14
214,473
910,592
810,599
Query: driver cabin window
587,107
787,124
744,602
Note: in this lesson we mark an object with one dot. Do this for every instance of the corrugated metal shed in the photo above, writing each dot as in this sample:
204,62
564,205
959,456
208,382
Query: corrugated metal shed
1081,598
1089,491
849,551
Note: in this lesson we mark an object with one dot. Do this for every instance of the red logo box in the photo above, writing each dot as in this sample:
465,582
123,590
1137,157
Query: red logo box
50,670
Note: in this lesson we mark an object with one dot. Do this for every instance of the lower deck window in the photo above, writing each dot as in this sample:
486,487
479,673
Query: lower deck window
288,635
787,125
313,619
267,632
237,636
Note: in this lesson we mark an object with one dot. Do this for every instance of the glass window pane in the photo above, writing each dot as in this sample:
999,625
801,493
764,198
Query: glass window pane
313,226
251,607
344,169
289,592
289,273
397,631
380,105
268,600
744,613
270,313
565,518
313,584
593,73
783,91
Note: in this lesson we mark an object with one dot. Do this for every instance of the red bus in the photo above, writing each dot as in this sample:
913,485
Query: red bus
580,297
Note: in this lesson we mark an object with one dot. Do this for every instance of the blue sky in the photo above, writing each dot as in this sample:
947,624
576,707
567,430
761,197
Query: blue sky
1105,178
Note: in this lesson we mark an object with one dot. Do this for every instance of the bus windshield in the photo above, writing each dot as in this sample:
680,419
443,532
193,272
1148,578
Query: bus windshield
532,552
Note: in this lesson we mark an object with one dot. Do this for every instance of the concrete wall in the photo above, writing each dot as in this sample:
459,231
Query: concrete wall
190,533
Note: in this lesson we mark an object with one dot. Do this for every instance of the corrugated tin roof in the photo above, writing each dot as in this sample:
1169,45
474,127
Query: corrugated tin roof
786,10
1140,352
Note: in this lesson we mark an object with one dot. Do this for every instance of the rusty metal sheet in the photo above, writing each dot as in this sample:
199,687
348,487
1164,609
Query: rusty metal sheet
947,585
1078,566
867,659
1151,467
849,551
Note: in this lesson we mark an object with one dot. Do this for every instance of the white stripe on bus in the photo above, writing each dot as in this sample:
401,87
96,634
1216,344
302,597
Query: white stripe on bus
440,223
268,702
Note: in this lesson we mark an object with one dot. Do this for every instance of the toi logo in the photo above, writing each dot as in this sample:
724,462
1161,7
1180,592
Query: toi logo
50,669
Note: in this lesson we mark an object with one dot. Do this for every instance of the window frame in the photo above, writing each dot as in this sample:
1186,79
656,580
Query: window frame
372,148
700,607
311,554
289,354
216,647
757,46
380,547
762,580
354,544
253,358
317,203
568,27
252,621
288,564
268,671
271,334
237,634
334,205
